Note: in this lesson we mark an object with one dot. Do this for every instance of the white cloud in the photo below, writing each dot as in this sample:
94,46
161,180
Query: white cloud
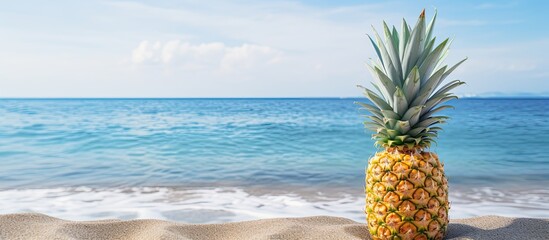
247,55
142,52
205,56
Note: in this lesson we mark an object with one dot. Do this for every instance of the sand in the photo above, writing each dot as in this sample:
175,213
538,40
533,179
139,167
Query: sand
39,226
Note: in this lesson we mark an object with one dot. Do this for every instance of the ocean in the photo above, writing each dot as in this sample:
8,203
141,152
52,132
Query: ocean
220,160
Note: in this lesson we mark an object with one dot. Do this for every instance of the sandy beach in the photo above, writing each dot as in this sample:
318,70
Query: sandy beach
39,226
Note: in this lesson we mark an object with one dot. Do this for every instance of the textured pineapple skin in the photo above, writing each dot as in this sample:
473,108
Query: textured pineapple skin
406,195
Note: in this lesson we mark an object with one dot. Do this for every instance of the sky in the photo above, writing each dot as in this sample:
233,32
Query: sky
102,48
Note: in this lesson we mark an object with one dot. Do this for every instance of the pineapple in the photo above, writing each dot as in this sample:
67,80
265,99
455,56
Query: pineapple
406,189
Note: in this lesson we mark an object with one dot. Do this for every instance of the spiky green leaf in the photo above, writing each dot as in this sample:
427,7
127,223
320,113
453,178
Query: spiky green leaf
446,88
430,121
428,87
393,54
396,41
412,84
412,114
387,83
430,27
412,51
376,100
450,70
435,110
416,131
403,127
376,48
438,100
400,104
390,123
372,109
388,64
390,114
404,36
430,62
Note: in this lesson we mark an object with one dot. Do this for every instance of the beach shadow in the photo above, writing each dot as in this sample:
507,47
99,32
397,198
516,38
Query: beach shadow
520,228
358,231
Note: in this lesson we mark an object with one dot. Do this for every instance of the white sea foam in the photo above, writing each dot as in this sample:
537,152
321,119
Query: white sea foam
198,206
489,201
233,204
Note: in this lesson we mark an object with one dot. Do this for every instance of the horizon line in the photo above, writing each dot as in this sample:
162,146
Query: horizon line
221,98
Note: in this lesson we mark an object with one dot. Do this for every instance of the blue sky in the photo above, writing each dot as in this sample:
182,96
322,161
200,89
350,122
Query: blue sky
253,48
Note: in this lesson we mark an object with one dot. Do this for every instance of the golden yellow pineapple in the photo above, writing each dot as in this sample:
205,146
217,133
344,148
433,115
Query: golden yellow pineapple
407,195
406,189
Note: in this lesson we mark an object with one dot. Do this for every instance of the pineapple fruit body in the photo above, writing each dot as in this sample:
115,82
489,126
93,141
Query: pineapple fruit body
406,195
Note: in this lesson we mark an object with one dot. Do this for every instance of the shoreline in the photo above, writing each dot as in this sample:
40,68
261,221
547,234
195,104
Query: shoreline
40,226
231,204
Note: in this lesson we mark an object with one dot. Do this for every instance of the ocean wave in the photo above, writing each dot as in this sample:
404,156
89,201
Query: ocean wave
217,205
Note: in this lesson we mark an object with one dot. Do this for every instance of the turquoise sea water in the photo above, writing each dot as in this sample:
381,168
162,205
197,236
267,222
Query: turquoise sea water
229,156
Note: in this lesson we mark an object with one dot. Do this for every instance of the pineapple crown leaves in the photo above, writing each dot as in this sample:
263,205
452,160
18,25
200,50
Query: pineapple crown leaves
407,87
